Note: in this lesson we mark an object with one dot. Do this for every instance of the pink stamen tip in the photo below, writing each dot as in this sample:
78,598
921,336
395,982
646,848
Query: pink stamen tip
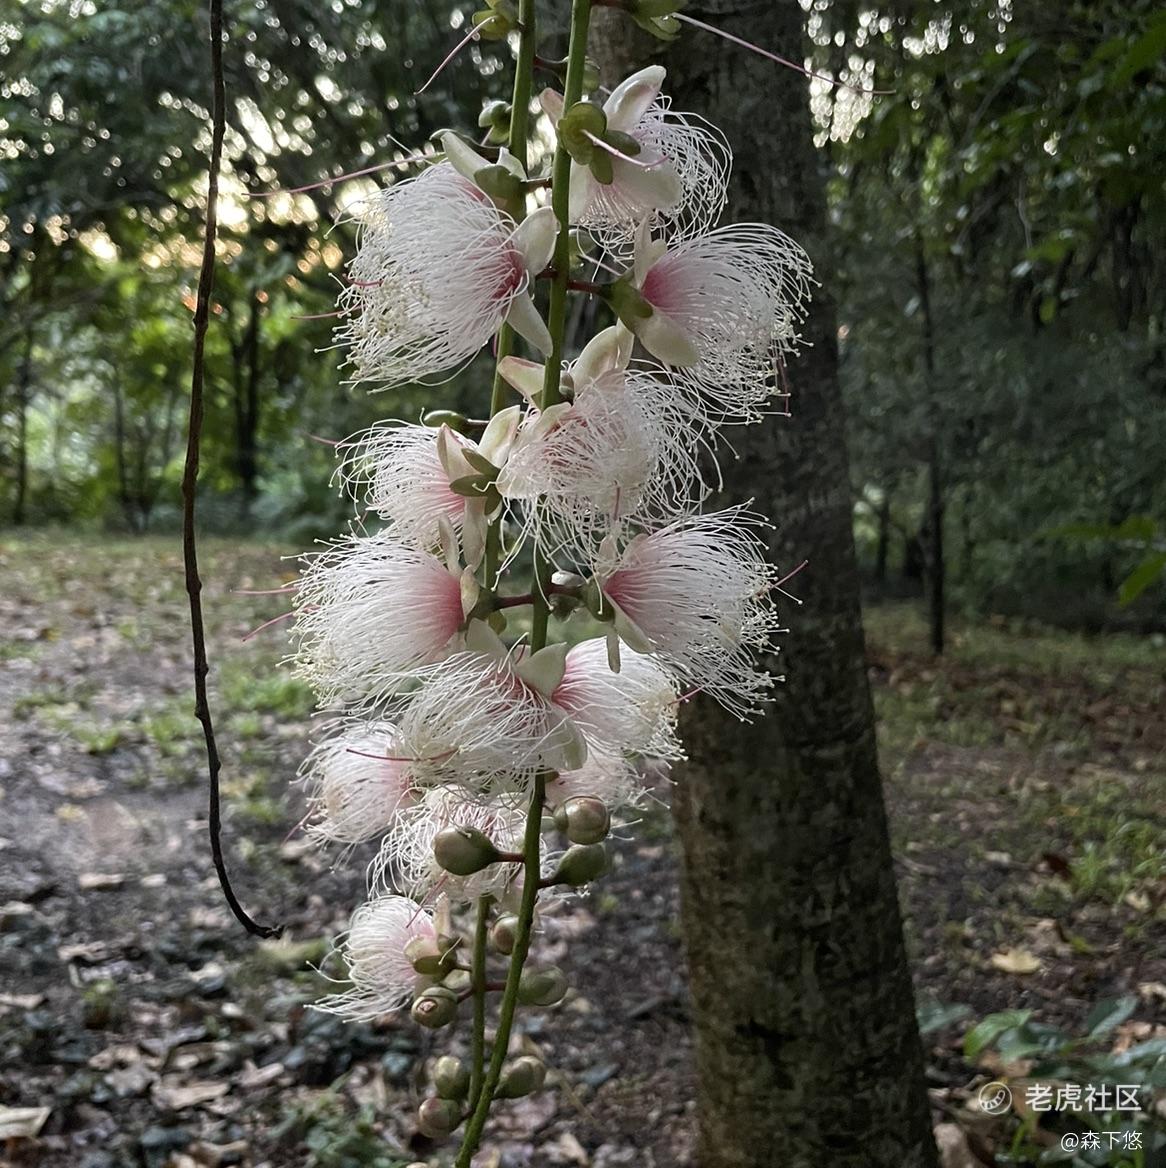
397,758
779,60
264,591
324,441
472,35
297,827
267,624
327,182
323,315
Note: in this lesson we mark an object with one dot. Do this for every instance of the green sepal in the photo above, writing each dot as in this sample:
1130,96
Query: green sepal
627,303
495,117
471,486
481,463
624,143
663,28
581,119
499,183
494,26
601,168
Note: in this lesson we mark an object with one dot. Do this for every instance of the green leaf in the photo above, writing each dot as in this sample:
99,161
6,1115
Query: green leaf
1107,1015
1148,572
989,1029
932,1016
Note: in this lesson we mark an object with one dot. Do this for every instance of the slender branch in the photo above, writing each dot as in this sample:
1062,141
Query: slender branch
478,989
206,279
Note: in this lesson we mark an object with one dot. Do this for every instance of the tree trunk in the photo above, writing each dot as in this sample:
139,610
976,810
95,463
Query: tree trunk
933,557
807,1046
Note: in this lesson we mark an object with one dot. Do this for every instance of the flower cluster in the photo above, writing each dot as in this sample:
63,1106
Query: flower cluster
485,758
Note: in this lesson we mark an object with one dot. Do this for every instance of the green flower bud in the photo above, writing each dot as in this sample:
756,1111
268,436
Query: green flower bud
583,819
457,980
450,418
523,1076
590,76
464,850
581,864
434,1007
437,1117
451,1077
503,933
542,987
430,957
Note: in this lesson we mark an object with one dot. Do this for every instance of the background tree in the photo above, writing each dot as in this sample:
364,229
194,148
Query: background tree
786,854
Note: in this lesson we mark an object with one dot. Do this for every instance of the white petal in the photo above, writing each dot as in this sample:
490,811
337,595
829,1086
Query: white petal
510,163
584,188
544,670
495,443
480,638
612,638
629,101
524,319
667,341
535,239
449,451
606,351
527,377
474,532
471,591
630,633
551,101
565,748
462,158
449,545
647,252
659,187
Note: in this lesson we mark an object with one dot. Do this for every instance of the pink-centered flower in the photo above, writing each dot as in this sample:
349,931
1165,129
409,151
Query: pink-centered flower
403,473
726,307
383,979
485,719
632,710
620,450
359,782
370,611
438,269
677,181
697,594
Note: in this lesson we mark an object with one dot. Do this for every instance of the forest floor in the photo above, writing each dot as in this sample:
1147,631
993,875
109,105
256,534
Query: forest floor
140,1027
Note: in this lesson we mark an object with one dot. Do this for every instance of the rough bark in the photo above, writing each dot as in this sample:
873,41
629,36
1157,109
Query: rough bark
807,1047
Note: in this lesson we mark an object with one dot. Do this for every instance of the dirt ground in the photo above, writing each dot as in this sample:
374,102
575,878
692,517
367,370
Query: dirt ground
1024,776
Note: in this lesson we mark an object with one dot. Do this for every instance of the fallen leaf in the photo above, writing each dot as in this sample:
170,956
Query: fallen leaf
179,1096
1018,961
18,1123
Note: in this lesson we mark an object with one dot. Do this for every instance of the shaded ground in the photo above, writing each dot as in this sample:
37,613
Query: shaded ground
1025,776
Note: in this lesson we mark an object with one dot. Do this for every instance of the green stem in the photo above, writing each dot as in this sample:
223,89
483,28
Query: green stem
517,145
556,323
478,986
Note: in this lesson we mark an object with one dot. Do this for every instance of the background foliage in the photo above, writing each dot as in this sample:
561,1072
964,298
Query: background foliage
998,262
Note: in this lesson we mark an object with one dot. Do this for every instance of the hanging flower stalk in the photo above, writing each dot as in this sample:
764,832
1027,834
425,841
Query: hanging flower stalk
489,765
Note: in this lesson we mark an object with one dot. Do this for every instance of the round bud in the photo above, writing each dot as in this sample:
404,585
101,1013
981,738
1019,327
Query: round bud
451,1077
542,987
450,418
523,1076
581,864
435,1007
583,819
437,1117
456,980
503,933
463,850
429,956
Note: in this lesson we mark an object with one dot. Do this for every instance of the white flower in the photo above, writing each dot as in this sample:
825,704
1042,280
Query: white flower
484,718
609,778
359,782
406,860
697,594
725,307
382,977
633,710
677,180
371,610
620,450
438,269
403,473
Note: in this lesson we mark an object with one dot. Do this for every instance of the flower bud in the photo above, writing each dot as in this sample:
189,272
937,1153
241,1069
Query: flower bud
463,850
581,864
437,1117
583,819
458,980
503,933
430,956
435,1007
451,1077
542,987
450,418
523,1076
